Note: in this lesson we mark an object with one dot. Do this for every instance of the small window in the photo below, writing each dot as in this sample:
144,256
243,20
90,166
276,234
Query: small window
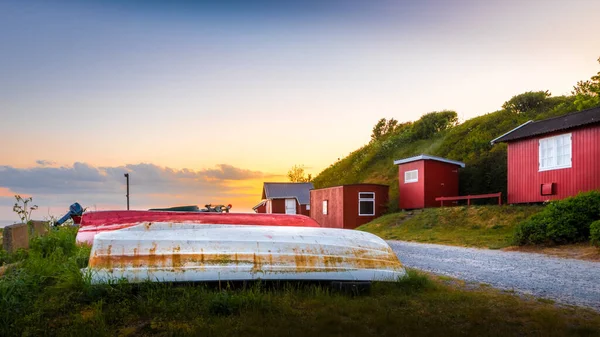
324,206
308,207
411,176
555,152
366,203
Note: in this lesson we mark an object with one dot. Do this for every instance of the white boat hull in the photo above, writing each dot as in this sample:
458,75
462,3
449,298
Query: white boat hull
180,252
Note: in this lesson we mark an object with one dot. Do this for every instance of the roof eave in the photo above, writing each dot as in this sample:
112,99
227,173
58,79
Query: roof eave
428,157
493,141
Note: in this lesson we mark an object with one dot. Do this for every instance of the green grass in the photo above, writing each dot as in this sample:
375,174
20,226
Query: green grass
474,226
47,295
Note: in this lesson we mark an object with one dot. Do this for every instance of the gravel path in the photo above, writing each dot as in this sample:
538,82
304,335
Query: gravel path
563,280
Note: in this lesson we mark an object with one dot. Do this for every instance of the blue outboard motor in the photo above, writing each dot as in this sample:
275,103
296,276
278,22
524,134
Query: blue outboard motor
74,210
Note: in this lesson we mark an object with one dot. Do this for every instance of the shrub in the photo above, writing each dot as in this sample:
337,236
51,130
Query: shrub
563,221
595,233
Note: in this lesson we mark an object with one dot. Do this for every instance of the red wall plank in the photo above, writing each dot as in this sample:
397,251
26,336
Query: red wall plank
411,195
441,180
351,217
524,180
335,206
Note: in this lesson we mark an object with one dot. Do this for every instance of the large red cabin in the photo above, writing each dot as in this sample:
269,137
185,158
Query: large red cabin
553,158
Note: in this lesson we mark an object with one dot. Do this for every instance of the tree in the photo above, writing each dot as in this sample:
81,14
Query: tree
587,93
296,175
434,122
384,128
528,101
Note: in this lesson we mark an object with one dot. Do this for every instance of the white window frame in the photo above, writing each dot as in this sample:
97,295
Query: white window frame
307,207
325,207
372,199
548,152
408,180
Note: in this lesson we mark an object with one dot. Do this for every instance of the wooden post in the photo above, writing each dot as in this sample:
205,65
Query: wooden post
15,237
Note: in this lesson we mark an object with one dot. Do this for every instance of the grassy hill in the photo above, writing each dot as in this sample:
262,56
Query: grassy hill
439,134
475,226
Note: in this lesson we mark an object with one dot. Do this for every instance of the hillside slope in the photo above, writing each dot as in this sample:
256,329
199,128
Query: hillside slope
469,142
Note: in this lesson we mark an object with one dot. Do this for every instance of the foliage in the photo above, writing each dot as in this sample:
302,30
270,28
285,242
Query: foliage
48,295
433,123
439,134
296,174
562,221
595,232
474,226
587,93
385,128
23,209
528,101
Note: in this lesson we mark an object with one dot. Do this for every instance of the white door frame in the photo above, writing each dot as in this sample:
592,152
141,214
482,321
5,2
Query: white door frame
290,202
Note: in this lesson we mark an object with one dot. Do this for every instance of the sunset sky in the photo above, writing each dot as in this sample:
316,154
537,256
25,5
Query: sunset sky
203,101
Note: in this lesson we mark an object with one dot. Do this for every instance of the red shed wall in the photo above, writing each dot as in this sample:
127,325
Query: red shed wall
262,208
335,210
278,206
411,195
524,180
351,217
301,209
441,180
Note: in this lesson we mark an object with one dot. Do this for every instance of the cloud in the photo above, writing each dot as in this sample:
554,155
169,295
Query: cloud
43,162
150,184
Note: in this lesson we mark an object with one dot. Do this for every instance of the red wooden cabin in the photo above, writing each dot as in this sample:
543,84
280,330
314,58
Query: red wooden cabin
348,206
553,158
423,178
285,198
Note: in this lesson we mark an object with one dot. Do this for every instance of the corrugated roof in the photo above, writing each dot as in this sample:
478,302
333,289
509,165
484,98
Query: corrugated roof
569,121
300,191
427,157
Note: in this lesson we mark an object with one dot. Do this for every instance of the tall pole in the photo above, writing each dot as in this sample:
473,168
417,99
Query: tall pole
127,195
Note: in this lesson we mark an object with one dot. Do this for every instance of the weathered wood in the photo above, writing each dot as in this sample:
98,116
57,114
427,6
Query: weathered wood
15,237
469,197
39,228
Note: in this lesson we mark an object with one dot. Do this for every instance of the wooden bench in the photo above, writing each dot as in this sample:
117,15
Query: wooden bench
469,197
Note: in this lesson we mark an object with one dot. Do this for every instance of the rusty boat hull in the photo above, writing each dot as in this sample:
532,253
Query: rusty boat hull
188,252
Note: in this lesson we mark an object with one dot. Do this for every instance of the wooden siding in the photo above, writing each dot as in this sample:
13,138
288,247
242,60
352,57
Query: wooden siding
525,180
351,217
411,195
278,206
441,180
335,206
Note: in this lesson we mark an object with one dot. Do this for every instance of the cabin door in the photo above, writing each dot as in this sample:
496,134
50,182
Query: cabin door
290,206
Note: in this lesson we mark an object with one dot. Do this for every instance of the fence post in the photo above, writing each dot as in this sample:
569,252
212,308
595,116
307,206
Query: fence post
15,236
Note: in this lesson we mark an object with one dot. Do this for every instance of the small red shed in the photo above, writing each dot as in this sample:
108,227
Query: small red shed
553,158
348,206
285,198
423,178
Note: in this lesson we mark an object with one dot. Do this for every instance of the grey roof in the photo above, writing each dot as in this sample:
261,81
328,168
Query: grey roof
427,157
569,121
300,191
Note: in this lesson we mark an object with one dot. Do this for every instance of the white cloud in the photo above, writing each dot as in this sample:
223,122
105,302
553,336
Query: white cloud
150,185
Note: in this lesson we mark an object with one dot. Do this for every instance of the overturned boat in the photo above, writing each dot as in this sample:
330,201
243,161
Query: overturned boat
184,245
182,251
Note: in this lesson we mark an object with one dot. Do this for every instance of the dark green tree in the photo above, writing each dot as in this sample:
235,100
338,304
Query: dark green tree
527,102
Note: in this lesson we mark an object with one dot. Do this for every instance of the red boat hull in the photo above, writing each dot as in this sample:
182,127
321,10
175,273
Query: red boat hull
103,221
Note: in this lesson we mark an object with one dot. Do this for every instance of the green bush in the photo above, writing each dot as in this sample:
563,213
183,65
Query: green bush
561,222
595,232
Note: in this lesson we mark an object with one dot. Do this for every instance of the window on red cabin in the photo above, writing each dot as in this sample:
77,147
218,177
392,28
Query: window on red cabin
555,152
366,203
